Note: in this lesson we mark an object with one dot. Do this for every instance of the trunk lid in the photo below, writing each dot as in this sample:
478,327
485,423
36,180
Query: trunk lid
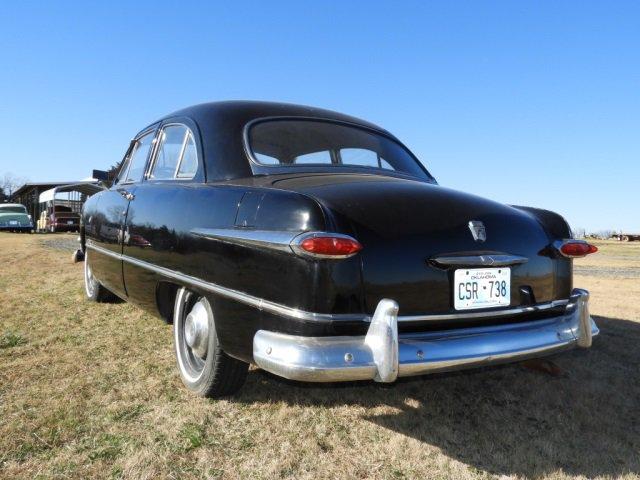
403,224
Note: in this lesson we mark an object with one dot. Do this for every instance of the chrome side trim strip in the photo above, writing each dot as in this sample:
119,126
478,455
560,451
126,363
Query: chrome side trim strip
275,240
105,251
250,300
281,240
278,309
488,260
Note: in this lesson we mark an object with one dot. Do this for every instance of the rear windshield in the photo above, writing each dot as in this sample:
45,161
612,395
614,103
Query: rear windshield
304,143
12,209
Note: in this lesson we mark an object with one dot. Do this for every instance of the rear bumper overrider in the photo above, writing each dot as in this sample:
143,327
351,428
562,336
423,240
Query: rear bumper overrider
383,355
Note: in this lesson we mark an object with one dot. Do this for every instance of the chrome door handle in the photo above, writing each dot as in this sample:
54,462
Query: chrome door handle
127,195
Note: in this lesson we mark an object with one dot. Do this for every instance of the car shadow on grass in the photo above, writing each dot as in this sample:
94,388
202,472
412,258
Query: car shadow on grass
506,420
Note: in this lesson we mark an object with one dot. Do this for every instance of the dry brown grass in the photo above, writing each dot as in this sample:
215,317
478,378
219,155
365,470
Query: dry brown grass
91,390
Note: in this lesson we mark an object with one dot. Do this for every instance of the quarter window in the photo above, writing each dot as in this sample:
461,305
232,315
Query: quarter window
177,155
189,163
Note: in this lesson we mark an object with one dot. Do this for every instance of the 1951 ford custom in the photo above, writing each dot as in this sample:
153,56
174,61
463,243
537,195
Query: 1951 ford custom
318,247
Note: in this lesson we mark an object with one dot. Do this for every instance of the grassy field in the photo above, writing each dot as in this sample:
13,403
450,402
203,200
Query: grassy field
90,390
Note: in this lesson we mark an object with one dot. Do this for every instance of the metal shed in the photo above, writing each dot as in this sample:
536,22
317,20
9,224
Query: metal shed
29,193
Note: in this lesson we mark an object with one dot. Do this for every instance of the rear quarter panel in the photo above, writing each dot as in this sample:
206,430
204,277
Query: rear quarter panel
159,231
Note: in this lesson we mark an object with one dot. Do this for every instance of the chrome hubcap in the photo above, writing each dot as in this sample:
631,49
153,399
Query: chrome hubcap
196,330
89,282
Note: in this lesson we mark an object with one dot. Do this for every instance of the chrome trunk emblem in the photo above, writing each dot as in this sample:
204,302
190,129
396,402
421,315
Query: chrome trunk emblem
477,230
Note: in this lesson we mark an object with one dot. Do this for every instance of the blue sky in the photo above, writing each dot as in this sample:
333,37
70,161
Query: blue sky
533,103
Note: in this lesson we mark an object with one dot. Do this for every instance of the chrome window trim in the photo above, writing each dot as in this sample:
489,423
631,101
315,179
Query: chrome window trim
154,159
283,310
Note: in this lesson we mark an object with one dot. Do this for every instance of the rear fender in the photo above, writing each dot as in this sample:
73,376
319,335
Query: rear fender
555,225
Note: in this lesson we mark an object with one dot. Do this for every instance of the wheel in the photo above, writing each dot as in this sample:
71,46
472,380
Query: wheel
625,238
93,288
78,256
204,368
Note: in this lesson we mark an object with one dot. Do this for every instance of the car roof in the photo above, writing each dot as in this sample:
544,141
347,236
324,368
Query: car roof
248,110
11,205
221,126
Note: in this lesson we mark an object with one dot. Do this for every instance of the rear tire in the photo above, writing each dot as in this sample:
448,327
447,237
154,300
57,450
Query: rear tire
204,367
93,288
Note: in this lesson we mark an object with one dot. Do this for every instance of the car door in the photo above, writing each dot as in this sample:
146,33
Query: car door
113,206
159,216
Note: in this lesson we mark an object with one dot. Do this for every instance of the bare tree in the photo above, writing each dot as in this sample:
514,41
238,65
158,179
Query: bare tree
10,183
579,232
604,234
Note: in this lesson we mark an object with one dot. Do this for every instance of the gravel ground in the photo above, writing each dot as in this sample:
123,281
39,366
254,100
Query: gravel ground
63,241
607,272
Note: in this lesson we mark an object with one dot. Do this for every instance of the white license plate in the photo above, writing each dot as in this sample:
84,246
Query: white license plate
481,288
13,222
69,222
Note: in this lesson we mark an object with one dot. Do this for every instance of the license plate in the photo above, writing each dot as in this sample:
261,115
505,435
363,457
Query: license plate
13,222
481,288
69,222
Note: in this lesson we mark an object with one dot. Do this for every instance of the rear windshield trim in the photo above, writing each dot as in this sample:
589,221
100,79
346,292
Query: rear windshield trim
276,169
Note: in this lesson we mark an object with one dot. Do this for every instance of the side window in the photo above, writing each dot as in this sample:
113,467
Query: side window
363,158
322,157
134,168
169,152
177,154
266,159
123,169
189,163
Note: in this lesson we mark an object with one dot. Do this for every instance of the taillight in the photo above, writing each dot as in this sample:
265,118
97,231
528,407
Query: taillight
576,248
326,245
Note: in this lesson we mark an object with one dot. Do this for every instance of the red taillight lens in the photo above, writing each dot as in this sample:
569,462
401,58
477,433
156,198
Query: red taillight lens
577,249
330,246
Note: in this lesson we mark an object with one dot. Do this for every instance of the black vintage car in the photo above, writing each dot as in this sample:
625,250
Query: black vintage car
318,247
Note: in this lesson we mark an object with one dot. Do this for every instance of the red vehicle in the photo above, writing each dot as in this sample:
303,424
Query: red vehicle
58,218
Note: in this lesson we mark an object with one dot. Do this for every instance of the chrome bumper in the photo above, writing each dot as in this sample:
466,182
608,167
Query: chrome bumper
382,355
